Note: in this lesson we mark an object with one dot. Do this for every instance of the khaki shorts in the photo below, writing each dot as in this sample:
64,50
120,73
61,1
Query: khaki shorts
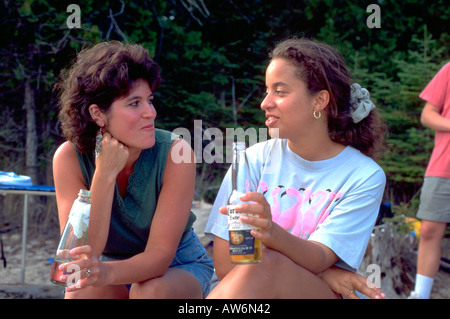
435,200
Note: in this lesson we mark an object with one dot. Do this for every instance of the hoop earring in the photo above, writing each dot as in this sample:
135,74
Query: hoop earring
317,116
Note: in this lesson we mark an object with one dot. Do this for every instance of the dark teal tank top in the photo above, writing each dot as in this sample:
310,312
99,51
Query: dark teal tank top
132,216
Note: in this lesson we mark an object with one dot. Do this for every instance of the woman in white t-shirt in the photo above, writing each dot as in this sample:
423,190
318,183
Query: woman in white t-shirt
319,189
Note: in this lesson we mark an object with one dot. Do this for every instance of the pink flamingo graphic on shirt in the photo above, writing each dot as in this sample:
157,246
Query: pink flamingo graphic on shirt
275,208
290,216
262,187
301,224
310,221
324,214
296,231
309,218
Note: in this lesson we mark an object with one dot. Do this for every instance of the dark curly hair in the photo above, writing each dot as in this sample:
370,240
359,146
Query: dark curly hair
321,67
100,75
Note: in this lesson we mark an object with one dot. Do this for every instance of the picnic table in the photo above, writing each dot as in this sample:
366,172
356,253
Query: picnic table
11,183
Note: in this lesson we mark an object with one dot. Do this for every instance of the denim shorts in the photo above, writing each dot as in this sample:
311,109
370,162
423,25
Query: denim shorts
190,256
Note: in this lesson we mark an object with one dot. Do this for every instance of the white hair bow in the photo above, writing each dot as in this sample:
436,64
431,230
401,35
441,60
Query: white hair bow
360,103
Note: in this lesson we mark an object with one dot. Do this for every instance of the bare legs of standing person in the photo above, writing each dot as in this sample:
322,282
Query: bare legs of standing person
428,258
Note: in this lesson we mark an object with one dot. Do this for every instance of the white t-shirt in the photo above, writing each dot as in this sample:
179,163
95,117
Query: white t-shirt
334,201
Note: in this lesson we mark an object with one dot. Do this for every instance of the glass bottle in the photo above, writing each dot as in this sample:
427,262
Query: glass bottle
244,248
74,234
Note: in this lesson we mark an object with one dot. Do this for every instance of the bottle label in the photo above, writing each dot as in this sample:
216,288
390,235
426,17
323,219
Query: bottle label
79,218
241,241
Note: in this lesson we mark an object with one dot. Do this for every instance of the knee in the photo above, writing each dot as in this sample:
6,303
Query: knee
156,288
430,231
270,264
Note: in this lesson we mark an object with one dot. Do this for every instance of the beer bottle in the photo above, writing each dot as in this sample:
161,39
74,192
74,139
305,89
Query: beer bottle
244,248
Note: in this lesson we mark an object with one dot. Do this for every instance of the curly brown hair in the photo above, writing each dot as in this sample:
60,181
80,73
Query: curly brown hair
100,75
321,67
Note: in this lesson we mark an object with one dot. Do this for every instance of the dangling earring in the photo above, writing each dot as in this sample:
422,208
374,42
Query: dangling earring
317,116
98,143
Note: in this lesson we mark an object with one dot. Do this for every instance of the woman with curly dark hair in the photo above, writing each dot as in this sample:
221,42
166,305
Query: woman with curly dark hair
320,188
140,240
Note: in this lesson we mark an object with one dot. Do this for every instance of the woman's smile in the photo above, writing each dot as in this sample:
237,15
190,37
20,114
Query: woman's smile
271,120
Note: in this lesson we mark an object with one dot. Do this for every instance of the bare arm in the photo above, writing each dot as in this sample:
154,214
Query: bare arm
222,262
312,256
68,180
432,118
346,283
169,221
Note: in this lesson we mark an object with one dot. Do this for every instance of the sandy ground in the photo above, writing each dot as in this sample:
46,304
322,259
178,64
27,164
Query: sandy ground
41,248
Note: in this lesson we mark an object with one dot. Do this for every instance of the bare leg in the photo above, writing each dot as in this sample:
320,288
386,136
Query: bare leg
107,292
175,284
429,252
276,276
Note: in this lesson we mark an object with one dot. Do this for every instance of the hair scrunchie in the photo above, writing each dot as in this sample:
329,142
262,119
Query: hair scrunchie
360,103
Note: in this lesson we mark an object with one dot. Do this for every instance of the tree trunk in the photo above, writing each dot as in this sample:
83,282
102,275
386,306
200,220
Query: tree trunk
31,133
233,101
392,254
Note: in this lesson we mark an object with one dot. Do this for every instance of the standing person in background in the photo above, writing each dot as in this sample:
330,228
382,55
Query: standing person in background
140,239
434,209
315,233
